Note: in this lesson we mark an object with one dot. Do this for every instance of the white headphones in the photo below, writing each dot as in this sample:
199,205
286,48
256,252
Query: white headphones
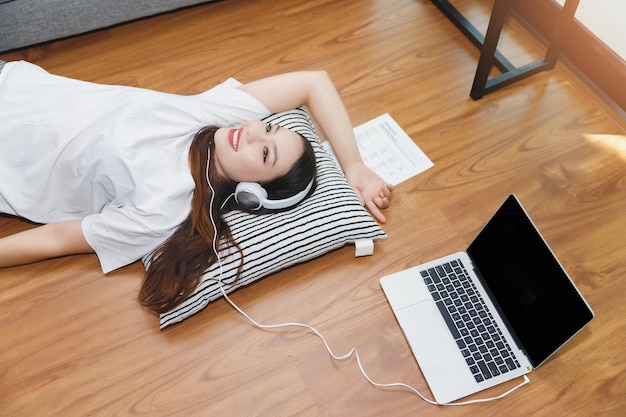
252,196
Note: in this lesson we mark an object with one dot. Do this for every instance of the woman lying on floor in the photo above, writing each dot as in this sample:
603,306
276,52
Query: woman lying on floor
121,171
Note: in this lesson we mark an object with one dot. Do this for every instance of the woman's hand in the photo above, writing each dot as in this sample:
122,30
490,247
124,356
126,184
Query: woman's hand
316,91
371,189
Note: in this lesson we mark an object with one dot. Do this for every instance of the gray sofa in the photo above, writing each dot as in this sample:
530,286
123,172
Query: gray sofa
28,22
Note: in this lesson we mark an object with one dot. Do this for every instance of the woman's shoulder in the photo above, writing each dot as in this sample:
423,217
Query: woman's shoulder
226,105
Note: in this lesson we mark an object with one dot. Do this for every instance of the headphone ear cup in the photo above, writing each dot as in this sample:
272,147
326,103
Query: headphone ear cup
250,195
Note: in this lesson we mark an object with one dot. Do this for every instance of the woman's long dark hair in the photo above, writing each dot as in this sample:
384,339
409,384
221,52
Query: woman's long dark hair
177,266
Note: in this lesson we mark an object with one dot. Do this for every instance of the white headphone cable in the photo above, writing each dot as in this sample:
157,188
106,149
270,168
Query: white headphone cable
353,352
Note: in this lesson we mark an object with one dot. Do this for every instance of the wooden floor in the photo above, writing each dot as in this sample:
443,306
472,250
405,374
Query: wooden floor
76,343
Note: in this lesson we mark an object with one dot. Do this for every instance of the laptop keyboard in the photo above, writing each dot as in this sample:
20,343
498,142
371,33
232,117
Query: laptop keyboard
475,331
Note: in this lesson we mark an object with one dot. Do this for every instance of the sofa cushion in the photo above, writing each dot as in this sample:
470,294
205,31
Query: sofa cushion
29,22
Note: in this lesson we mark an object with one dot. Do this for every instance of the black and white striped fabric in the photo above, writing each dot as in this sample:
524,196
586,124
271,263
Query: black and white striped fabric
330,218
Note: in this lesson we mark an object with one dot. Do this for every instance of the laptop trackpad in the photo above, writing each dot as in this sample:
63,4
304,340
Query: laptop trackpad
432,344
405,288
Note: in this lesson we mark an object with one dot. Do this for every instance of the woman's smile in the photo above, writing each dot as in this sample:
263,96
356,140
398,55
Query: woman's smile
233,138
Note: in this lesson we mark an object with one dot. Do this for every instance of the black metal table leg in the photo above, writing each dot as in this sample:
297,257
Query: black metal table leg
489,54
565,19
489,48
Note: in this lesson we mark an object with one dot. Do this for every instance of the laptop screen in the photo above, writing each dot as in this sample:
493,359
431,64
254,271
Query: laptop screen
536,297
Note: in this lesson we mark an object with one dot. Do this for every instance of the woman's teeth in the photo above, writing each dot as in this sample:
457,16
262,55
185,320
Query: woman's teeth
235,142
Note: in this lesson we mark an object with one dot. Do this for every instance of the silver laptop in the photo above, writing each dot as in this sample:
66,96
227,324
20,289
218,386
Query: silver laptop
478,318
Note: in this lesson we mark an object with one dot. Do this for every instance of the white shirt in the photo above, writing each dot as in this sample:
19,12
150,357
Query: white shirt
114,156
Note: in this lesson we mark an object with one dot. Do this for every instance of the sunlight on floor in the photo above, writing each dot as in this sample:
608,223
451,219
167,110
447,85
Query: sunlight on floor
615,143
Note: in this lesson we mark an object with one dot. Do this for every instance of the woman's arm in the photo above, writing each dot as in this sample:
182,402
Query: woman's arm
43,242
315,90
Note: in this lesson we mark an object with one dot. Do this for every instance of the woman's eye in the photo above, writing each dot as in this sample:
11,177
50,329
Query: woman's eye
268,127
265,153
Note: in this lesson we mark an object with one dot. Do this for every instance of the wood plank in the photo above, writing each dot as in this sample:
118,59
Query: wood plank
75,342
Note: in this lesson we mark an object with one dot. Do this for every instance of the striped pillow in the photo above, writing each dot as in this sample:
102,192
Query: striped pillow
330,218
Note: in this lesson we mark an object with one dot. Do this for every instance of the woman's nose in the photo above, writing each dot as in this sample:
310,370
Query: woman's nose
256,133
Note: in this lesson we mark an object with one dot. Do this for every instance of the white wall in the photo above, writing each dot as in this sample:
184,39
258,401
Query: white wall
606,19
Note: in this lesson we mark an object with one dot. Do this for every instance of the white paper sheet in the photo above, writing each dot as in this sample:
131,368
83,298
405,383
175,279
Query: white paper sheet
388,150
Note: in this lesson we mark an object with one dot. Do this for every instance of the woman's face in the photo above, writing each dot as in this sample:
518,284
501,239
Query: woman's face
256,152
